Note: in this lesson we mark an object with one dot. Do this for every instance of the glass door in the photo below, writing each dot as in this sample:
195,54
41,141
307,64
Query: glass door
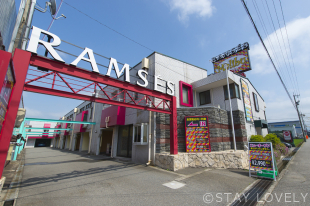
124,143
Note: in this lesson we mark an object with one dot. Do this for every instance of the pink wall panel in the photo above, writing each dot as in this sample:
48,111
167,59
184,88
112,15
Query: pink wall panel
116,115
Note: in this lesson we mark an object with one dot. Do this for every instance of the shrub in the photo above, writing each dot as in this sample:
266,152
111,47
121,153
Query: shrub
257,138
272,138
282,148
277,155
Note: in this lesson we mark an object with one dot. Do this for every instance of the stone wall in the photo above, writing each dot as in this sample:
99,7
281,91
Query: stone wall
219,126
223,159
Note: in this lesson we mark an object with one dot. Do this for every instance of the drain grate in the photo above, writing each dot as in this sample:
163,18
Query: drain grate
296,149
8,203
252,196
287,159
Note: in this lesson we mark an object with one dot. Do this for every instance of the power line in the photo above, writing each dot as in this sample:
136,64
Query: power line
109,58
290,67
267,36
289,46
275,31
284,74
108,27
284,45
253,23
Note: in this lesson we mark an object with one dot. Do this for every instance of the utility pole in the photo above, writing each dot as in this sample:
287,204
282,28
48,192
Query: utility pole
303,121
300,122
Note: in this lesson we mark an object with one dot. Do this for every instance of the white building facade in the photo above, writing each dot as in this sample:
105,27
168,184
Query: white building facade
138,135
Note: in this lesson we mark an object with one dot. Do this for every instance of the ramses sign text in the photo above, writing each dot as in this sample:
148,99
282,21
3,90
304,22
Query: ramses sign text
35,41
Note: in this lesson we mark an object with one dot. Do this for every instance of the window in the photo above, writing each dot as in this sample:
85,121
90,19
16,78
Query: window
85,117
88,106
186,94
234,91
114,97
205,97
137,134
255,102
140,134
91,113
121,95
136,95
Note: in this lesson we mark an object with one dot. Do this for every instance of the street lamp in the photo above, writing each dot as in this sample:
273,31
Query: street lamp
231,114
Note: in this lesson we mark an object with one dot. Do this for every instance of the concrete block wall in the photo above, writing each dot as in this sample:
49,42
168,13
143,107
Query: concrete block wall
220,129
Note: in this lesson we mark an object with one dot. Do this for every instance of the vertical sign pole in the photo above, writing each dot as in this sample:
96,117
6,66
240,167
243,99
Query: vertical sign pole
231,114
273,163
21,61
249,159
173,127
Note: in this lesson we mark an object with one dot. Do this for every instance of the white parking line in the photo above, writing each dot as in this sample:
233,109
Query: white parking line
174,185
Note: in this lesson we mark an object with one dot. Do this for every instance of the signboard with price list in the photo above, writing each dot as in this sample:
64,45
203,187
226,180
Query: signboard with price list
261,157
197,134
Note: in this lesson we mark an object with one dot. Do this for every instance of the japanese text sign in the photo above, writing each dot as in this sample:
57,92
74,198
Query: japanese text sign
197,134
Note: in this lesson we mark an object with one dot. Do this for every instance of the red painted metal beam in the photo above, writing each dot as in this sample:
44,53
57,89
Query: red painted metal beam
5,58
54,92
70,70
21,63
173,127
40,77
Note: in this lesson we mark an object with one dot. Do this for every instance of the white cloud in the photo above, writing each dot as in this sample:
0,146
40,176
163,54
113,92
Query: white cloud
298,33
33,113
185,8
279,106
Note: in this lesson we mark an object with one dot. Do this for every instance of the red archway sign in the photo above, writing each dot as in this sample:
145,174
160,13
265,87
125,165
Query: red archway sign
151,100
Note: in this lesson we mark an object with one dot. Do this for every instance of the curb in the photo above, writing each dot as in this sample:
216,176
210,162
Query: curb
13,190
264,197
244,191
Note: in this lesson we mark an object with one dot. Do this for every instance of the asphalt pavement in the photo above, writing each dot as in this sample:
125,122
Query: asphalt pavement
61,177
294,187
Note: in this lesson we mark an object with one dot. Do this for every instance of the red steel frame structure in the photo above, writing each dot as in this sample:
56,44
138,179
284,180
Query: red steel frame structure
23,59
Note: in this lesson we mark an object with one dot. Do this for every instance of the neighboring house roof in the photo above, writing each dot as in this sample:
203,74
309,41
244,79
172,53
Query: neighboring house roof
284,122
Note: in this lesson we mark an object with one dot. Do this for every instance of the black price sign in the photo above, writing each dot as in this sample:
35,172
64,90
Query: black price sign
261,163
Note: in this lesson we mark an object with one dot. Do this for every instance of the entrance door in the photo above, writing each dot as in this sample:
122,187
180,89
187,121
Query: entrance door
77,142
124,143
64,142
106,141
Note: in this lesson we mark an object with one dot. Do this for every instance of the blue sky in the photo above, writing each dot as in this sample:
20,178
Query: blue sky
193,31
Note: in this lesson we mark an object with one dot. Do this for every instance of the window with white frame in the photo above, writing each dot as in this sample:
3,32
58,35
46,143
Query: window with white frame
234,91
140,134
256,102
205,97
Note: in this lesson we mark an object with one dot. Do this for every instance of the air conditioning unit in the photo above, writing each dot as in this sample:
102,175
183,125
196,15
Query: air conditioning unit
84,125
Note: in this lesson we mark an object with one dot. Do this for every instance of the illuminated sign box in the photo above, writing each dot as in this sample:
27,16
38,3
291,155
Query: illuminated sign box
236,60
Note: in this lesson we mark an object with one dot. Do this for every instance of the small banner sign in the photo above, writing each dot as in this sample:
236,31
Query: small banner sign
261,159
287,135
246,101
197,134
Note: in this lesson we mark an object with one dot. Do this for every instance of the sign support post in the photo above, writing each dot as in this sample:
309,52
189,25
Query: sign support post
231,114
261,158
